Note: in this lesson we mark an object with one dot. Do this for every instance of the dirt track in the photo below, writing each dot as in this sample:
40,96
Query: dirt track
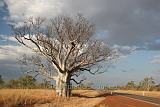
119,101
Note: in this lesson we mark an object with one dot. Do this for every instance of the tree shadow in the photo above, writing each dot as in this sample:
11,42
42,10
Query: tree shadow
104,95
122,93
84,96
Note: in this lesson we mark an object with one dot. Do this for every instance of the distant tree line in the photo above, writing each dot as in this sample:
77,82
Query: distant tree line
81,86
147,84
26,82
29,82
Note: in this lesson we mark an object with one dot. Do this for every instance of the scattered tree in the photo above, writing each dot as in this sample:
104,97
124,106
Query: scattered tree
12,83
130,85
27,81
45,84
65,46
90,86
81,86
1,82
147,83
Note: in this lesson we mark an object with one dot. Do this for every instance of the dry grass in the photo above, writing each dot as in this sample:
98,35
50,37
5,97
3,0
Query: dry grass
155,94
47,98
15,97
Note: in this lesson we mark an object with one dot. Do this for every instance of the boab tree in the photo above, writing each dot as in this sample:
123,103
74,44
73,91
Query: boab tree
65,46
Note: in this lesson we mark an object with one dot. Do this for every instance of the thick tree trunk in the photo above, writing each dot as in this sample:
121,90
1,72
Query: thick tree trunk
63,86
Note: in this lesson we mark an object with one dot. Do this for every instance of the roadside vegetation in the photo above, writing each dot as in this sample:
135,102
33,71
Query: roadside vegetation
146,87
27,91
22,97
155,94
147,84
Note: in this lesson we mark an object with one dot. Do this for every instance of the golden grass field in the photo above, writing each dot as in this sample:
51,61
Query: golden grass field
47,98
155,94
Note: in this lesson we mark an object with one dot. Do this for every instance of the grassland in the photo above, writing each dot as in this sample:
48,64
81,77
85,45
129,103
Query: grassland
47,98
155,94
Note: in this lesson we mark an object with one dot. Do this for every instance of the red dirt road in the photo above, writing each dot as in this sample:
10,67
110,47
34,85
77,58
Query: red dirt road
120,101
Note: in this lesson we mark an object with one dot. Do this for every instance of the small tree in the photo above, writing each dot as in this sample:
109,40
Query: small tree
81,86
147,83
90,86
12,83
45,84
63,48
1,82
130,85
27,81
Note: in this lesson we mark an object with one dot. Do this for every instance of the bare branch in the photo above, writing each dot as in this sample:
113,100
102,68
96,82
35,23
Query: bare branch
83,79
35,76
41,73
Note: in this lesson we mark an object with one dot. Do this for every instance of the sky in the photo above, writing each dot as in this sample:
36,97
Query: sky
132,26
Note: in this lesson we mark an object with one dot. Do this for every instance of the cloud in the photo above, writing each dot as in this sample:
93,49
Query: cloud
127,22
124,51
154,46
130,70
12,52
1,4
157,56
9,67
21,9
7,38
156,60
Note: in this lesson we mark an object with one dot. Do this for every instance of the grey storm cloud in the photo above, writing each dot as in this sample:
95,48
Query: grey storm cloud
128,23
125,22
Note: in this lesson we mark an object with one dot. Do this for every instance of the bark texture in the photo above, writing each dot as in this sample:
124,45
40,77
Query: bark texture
63,86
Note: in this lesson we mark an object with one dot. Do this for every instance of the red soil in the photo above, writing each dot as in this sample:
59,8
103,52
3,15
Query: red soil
120,101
